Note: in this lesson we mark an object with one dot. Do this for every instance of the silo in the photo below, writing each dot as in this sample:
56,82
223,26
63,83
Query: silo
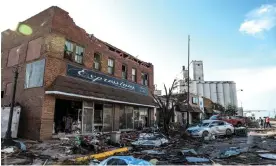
226,91
200,89
213,92
233,93
206,90
220,93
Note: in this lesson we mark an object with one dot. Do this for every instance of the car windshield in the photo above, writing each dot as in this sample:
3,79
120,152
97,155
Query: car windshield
203,124
214,117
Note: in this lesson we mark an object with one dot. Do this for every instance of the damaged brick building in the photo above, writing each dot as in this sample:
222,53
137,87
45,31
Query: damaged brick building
71,79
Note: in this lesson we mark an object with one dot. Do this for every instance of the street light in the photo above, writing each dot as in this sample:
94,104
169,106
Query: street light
24,30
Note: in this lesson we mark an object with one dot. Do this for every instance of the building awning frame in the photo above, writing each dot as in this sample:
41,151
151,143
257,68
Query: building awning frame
95,98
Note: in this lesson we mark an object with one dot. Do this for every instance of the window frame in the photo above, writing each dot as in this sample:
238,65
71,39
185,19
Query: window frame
126,71
43,75
77,54
135,78
145,82
94,61
113,67
73,53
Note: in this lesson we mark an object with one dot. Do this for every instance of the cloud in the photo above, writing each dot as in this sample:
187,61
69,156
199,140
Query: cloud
259,20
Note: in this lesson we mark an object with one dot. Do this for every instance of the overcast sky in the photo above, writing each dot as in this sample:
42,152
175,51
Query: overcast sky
236,39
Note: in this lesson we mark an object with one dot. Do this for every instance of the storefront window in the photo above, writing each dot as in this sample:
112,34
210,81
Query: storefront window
136,118
129,117
143,116
88,117
126,117
107,117
122,118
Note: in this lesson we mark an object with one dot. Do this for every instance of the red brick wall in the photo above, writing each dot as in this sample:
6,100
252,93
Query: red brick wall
31,99
53,25
64,25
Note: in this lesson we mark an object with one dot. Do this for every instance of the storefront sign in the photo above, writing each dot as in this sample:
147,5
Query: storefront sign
99,78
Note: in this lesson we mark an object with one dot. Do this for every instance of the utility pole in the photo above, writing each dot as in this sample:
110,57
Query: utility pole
8,137
188,98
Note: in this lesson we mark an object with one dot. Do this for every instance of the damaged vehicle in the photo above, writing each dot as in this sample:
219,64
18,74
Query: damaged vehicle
213,127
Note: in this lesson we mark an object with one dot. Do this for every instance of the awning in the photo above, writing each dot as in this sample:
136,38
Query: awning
183,108
67,86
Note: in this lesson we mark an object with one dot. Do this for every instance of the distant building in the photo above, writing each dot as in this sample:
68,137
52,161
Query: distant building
198,70
221,92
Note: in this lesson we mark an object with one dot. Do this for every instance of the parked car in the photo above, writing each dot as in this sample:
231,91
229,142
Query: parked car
234,120
215,127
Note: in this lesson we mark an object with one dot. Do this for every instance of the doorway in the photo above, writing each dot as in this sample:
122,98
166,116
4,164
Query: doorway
67,117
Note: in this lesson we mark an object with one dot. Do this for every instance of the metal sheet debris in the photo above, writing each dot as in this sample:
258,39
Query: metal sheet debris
8,150
197,160
124,160
268,156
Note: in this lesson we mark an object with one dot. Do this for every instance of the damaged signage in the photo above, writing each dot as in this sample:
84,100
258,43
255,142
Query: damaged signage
99,78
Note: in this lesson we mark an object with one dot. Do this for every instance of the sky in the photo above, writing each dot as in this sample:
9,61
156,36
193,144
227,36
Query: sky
235,39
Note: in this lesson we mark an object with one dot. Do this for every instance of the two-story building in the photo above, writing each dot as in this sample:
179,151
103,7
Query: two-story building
70,80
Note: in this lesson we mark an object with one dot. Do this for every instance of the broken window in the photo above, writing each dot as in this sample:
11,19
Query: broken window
68,50
110,69
107,117
124,71
126,117
97,61
34,74
79,54
73,52
140,117
2,94
133,75
144,80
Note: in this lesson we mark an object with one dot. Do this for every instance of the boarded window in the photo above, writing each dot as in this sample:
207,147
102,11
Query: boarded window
9,89
34,74
13,56
34,48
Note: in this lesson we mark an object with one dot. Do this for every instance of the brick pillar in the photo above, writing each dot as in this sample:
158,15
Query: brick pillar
47,117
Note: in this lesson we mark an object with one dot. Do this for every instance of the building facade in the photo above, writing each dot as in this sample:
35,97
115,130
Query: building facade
70,81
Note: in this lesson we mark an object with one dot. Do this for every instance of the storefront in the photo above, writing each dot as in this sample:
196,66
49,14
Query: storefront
86,105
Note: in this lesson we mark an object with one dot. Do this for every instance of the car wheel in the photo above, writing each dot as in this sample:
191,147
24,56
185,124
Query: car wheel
205,134
228,132
239,124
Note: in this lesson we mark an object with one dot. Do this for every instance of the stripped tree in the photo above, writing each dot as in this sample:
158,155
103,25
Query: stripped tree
167,105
